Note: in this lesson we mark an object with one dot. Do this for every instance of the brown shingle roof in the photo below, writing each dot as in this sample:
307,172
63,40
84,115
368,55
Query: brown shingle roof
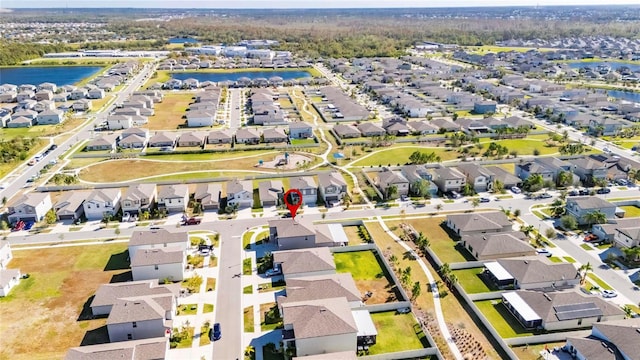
144,349
319,318
304,260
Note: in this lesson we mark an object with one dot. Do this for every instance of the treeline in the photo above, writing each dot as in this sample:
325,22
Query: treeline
16,149
12,53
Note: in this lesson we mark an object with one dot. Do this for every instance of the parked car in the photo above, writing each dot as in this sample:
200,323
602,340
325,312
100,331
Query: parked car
544,196
516,190
216,332
454,194
622,182
29,225
583,192
192,221
591,238
18,226
609,294
126,217
404,310
31,162
573,193
603,190
273,272
544,252
484,200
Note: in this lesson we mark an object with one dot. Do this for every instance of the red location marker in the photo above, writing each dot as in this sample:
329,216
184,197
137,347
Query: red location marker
293,200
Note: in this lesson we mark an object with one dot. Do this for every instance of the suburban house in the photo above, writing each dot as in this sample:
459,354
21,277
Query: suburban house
615,339
9,278
479,177
478,223
82,105
201,118
579,207
449,179
106,142
547,167
208,195
173,198
247,136
102,202
144,349
133,141
270,193
120,121
191,139
220,137
140,318
314,287
627,237
387,179
291,234
346,131
369,129
332,187
274,136
50,117
605,126
159,263
559,310
302,263
163,139
29,207
507,179
307,186
69,206
239,193
139,198
300,130
498,245
589,169
418,173
156,239
333,327
108,294
607,232
532,274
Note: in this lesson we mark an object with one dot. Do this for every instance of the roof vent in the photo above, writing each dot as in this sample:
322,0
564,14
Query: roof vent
526,261
638,330
546,296
603,343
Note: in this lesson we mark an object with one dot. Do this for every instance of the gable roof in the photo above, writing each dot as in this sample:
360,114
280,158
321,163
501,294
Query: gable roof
146,257
139,191
107,294
321,287
496,244
208,193
304,260
334,178
533,270
31,199
495,220
236,186
624,334
159,236
319,318
268,190
173,191
142,309
144,349
70,201
104,195
589,202
302,182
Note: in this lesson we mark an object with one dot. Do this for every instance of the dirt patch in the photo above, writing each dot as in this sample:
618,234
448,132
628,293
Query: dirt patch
383,291
279,162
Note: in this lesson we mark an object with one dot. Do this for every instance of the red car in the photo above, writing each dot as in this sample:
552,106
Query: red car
591,238
192,221
18,226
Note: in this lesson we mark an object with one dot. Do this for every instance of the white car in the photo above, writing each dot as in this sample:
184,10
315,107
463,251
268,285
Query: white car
609,294
544,252
516,190
272,272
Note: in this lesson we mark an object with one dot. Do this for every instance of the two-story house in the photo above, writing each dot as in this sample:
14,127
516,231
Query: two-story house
479,177
627,237
101,203
307,186
332,187
589,170
29,207
580,207
300,130
387,179
208,195
173,198
140,318
139,198
239,193
547,167
270,192
449,179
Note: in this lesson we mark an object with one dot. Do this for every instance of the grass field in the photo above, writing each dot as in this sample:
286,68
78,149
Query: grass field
441,242
471,281
168,113
396,332
48,308
248,319
496,49
631,211
400,155
505,324
368,273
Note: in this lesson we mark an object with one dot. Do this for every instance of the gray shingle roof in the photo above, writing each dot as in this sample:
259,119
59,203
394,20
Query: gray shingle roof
107,294
144,349
479,221
304,260
159,236
320,318
146,257
532,270
321,287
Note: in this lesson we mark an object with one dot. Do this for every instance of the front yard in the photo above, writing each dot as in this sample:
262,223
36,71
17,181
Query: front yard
369,275
48,313
397,332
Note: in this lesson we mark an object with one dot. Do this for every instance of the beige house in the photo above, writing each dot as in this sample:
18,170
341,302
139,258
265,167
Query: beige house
29,207
139,198
498,245
144,349
173,198
304,262
478,223
161,263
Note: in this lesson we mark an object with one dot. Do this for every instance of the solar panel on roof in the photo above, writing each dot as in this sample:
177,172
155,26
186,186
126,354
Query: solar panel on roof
578,314
574,307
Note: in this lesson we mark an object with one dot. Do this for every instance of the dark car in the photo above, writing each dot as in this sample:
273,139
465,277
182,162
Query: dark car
484,200
215,333
52,147
603,190
584,192
29,225
574,193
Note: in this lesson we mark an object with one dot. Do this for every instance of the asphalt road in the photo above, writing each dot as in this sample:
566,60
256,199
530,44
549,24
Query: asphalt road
235,108
17,180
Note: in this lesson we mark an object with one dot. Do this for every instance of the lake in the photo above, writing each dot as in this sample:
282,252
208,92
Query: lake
234,76
613,64
625,95
34,75
179,40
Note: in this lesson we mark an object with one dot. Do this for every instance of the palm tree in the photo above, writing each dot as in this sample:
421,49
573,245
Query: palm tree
631,254
439,207
250,351
583,271
415,290
527,229
628,312
475,202
595,217
392,191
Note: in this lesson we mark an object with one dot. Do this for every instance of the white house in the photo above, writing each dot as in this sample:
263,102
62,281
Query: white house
162,263
156,239
135,319
124,350
200,118
101,202
173,198
307,186
8,279
29,207
118,122
50,117
5,254
240,193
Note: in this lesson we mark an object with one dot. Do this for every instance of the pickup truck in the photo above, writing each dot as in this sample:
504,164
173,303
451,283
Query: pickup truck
192,221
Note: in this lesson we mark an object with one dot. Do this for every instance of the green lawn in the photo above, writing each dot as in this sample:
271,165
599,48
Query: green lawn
631,211
586,246
527,146
187,341
271,286
555,259
247,289
501,319
246,266
188,309
603,285
211,284
569,259
208,308
363,265
471,281
204,336
248,319
396,332
400,155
